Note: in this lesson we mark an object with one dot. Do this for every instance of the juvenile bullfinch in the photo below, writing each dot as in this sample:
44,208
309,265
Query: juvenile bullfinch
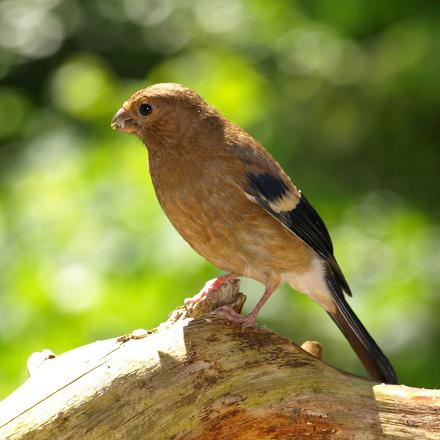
233,203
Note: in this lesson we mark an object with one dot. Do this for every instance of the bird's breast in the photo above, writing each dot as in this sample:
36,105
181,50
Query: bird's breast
209,208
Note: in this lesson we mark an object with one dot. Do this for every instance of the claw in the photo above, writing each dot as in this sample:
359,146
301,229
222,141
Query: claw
233,316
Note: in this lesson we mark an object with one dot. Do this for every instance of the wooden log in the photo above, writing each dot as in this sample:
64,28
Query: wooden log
198,376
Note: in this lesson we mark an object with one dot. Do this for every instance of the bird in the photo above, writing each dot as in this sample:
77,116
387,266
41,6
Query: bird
236,206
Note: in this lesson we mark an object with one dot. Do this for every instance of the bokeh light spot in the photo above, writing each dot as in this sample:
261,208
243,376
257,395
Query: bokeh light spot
83,87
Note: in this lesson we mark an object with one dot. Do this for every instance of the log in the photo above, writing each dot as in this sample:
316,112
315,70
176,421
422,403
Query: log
199,376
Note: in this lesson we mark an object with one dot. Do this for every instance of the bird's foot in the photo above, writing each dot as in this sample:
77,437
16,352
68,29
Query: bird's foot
210,287
233,316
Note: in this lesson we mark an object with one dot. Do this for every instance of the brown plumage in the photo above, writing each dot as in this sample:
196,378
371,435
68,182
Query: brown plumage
234,204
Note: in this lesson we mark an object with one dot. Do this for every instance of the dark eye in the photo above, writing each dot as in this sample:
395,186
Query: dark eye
145,109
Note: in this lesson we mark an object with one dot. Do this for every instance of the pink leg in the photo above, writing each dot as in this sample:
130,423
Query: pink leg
272,282
209,287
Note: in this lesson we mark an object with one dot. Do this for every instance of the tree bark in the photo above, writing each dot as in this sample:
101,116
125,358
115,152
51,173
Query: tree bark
198,376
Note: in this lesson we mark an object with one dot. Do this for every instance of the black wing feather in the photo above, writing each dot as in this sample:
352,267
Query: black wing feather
303,220
270,187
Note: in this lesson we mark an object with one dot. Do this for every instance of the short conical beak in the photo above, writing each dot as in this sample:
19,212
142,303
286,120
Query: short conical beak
122,121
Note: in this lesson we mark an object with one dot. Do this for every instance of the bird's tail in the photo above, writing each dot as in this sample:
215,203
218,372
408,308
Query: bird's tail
371,356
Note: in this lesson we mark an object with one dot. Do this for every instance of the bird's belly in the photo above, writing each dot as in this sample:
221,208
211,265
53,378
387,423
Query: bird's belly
235,234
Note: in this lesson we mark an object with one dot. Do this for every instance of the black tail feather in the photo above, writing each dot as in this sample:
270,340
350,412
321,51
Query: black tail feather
372,357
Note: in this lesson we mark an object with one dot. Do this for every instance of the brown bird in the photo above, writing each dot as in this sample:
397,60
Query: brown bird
234,204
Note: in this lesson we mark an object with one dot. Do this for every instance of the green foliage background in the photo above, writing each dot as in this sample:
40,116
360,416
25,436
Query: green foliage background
345,94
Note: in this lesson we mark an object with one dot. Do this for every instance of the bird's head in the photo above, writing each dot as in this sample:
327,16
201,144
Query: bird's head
161,113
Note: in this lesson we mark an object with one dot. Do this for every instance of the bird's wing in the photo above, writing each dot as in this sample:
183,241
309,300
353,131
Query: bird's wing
274,192
277,196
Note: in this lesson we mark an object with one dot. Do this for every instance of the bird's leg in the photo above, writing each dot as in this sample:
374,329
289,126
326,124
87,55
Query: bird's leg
272,282
209,287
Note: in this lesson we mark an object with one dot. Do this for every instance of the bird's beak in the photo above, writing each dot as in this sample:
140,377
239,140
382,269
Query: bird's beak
122,121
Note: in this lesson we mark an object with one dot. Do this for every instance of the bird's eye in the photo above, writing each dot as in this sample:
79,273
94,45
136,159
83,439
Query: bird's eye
145,109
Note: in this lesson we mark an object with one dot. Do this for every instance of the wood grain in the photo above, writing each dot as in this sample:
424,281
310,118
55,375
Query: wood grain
202,377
